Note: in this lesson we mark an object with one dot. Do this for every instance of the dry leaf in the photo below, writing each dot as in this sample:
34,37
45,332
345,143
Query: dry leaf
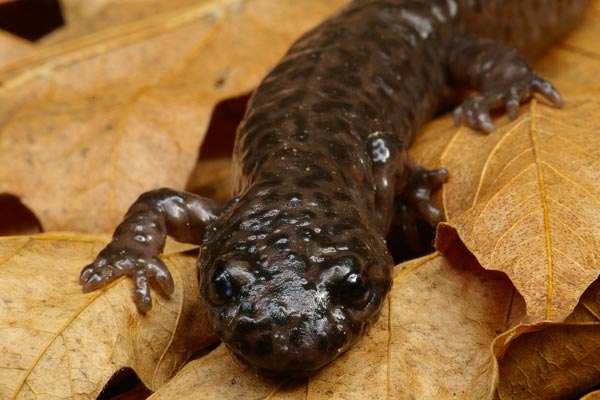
525,198
218,376
76,10
12,48
432,341
102,98
85,17
573,64
58,342
595,395
552,361
212,178
557,362
92,121
534,188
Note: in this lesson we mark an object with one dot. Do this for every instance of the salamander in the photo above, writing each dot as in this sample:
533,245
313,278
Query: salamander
295,268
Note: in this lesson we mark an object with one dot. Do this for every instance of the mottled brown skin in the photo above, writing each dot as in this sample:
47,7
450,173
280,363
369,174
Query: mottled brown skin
295,268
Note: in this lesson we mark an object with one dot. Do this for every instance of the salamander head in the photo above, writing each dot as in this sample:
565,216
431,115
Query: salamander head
288,290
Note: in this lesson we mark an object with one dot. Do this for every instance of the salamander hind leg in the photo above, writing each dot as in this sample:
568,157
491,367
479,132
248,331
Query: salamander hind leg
501,76
140,238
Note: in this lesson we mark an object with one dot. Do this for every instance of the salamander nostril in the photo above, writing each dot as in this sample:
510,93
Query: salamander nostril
295,337
264,345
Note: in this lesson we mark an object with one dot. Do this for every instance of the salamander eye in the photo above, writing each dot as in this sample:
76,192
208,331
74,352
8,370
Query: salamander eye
354,289
221,287
344,278
228,280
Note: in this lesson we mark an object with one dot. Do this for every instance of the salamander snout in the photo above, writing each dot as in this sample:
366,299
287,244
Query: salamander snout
297,348
289,321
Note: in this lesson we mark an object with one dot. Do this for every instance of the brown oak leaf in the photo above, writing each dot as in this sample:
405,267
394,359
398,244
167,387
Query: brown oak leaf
119,101
525,199
62,343
534,193
91,121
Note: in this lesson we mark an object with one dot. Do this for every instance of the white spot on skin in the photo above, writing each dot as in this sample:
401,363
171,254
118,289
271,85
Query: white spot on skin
452,7
437,12
422,25
380,152
321,298
173,208
338,315
249,223
272,213
317,259
381,83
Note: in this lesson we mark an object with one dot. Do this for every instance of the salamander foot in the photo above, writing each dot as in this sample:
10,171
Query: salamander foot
475,110
500,75
139,263
408,234
419,195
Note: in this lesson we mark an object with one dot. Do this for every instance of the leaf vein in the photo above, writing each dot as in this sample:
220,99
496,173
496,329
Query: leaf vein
542,185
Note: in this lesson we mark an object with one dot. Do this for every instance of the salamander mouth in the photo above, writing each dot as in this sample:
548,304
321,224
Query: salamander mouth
299,370
297,349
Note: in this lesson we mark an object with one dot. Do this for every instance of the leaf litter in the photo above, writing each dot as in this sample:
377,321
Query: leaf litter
450,328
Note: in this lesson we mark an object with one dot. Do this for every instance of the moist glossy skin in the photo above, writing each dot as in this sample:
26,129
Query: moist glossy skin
305,278
295,268
309,194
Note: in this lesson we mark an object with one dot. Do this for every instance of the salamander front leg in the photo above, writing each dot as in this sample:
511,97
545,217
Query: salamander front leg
403,190
418,194
414,205
140,238
501,76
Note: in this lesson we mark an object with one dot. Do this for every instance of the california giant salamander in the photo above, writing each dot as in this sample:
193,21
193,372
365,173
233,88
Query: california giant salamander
294,269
